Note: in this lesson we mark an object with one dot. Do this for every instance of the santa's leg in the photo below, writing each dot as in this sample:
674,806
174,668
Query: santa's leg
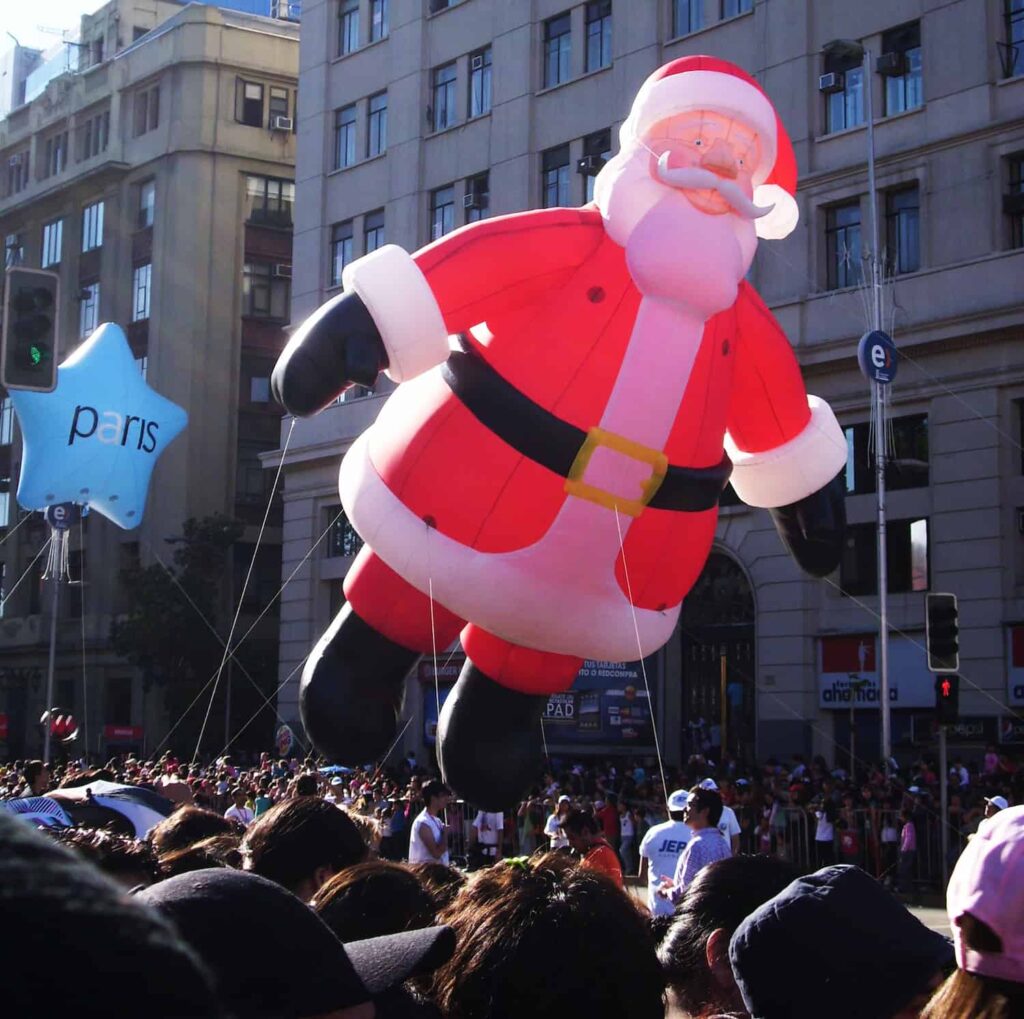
489,734
353,684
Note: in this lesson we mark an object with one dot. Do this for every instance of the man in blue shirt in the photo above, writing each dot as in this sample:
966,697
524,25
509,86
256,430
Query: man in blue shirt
660,851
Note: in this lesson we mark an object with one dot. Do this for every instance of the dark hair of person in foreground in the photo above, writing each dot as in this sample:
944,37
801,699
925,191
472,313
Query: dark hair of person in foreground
372,899
695,949
544,937
187,826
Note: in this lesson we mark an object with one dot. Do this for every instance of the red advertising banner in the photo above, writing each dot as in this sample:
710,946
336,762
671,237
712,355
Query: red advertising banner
123,733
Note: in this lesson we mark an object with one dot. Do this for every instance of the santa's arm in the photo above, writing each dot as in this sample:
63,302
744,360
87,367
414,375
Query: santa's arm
787,447
398,310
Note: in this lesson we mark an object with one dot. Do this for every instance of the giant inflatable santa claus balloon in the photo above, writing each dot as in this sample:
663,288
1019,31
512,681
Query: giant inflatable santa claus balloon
577,388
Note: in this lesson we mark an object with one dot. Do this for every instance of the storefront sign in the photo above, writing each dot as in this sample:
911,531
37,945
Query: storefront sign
1011,729
849,670
1015,666
123,733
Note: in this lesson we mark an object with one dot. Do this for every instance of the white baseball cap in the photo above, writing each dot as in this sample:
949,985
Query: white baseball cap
564,799
709,783
677,801
998,801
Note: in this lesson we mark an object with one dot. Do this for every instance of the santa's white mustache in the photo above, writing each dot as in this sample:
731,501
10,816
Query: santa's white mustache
696,178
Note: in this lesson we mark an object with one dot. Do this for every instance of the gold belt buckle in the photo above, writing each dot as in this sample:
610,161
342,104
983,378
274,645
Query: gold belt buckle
597,437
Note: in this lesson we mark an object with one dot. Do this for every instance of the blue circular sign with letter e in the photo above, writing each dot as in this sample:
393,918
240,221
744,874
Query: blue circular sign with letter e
876,354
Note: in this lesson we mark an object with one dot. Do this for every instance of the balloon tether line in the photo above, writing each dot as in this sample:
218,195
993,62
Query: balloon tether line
245,585
640,652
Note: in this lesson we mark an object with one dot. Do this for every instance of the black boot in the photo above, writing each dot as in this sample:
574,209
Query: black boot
352,690
338,345
489,741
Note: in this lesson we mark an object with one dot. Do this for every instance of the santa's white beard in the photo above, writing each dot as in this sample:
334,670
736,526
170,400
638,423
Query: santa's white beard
673,250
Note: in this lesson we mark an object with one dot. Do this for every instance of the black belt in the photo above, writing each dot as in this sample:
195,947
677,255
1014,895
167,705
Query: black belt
565,449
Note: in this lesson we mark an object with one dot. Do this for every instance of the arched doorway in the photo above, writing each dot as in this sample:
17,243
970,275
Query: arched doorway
718,620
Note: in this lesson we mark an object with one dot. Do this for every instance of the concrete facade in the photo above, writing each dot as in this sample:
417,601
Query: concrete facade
153,130
951,127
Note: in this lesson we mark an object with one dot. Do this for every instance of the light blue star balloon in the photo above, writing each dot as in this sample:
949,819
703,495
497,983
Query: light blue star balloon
95,438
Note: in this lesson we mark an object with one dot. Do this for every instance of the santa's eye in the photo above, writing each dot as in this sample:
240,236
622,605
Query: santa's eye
742,163
698,143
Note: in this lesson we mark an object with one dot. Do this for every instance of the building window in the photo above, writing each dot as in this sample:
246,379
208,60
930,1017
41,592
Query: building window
342,539
731,8
378,19
442,211
92,226
348,27
906,557
377,124
53,233
478,197
94,135
55,156
269,201
906,465
844,107
265,294
902,240
842,245
147,110
555,177
480,83
6,421
341,250
249,103
89,313
278,105
901,68
14,250
557,48
259,389
1013,201
147,204
599,34
687,16
141,280
344,137
373,231
17,172
597,150
1012,51
444,97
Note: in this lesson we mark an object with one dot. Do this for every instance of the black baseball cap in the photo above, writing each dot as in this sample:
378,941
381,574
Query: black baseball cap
232,918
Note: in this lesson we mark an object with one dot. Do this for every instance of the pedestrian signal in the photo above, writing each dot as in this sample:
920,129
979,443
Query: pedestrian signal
28,346
942,632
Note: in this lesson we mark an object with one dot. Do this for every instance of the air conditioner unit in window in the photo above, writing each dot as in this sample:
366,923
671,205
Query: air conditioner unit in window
281,124
283,271
590,166
473,201
15,160
1013,205
477,62
891,65
834,81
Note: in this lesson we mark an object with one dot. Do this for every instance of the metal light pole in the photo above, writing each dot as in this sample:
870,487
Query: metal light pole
55,582
879,422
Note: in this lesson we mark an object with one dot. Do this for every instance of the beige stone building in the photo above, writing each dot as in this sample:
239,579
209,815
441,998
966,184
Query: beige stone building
158,181
491,107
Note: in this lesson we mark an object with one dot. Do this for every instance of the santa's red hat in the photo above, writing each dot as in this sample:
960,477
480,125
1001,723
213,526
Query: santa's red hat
707,83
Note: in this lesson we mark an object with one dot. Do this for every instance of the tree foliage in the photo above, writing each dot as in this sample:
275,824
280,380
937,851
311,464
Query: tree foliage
163,633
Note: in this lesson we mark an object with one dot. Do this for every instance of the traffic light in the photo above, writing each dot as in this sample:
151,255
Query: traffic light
28,347
943,632
947,698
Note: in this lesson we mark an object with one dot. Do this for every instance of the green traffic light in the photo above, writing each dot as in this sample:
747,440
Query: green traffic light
36,354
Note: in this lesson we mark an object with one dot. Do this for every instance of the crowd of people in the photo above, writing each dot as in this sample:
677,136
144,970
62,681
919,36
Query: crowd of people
282,888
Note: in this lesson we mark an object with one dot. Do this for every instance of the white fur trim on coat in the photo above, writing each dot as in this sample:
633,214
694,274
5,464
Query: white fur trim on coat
402,305
794,470
706,90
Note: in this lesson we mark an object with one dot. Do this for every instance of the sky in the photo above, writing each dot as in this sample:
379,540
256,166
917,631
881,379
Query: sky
25,20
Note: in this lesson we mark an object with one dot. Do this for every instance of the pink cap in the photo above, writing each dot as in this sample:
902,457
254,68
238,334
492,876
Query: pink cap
988,883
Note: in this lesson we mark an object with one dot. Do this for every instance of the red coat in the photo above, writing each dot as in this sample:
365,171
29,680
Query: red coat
560,310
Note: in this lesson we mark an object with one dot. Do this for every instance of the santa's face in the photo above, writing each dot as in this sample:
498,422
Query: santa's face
679,200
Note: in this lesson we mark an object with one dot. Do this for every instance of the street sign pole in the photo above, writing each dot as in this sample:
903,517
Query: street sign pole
55,582
944,806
